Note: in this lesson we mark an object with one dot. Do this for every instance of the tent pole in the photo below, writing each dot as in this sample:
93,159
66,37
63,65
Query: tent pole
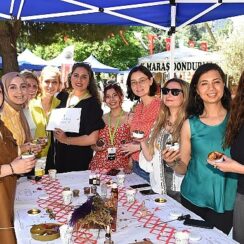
172,39
172,52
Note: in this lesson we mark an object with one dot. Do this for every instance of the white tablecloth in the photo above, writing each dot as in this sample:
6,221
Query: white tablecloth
130,227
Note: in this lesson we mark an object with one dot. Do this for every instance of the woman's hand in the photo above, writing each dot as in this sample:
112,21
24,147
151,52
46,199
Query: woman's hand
129,148
35,148
60,135
25,147
21,166
170,156
228,165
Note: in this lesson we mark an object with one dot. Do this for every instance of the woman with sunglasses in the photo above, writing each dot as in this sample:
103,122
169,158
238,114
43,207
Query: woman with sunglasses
205,190
115,133
141,87
10,166
72,151
167,127
234,137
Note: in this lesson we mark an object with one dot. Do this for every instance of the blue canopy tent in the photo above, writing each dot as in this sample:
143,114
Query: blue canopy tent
28,60
168,15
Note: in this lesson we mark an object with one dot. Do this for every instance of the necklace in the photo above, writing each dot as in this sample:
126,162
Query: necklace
74,100
112,133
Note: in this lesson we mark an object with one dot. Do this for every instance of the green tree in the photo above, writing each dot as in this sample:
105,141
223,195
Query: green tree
119,50
232,50
39,33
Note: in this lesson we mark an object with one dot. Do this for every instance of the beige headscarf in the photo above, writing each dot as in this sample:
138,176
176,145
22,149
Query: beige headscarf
6,79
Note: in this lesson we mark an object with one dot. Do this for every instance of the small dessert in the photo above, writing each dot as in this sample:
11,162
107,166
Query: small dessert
100,142
168,145
138,134
76,193
216,156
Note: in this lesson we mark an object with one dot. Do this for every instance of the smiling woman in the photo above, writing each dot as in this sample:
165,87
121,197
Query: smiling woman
72,151
15,88
10,165
42,106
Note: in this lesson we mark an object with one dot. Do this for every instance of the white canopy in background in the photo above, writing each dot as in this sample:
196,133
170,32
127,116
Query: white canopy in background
99,67
28,57
185,59
65,57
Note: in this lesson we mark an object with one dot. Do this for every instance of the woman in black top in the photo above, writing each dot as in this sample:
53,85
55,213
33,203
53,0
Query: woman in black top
72,151
235,138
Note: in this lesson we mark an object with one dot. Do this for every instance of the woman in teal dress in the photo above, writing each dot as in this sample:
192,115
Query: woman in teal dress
205,190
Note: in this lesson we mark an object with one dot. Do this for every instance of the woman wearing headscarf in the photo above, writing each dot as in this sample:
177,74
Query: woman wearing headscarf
9,167
15,89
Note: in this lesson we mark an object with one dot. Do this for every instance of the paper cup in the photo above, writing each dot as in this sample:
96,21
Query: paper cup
120,179
25,156
181,237
137,135
176,146
66,234
52,174
130,195
67,197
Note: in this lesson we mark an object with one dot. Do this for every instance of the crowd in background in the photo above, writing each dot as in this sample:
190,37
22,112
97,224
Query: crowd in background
178,130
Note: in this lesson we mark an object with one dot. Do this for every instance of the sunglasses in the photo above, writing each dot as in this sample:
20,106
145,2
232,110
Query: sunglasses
174,92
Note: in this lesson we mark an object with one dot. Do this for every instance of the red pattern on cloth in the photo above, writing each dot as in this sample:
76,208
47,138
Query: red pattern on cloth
143,119
164,233
100,160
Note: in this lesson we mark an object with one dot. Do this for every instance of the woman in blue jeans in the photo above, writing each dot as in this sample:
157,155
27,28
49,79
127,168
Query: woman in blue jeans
141,87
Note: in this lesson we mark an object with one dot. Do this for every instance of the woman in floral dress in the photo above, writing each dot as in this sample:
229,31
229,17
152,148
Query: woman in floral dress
116,132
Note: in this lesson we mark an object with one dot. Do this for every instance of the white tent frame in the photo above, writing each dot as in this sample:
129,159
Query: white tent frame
110,11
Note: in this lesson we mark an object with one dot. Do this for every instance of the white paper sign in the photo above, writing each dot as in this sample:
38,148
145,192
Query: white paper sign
66,119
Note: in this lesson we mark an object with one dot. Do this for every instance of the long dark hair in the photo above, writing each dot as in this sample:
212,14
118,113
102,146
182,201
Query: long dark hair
195,104
1,86
236,119
92,86
145,71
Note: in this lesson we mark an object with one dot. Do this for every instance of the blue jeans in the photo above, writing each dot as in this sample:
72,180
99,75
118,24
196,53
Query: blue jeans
139,171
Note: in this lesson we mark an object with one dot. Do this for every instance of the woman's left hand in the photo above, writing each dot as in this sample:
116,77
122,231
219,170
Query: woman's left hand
169,156
228,164
129,148
60,135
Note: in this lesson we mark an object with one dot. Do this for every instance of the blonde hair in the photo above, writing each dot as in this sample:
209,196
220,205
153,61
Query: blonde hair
50,72
164,114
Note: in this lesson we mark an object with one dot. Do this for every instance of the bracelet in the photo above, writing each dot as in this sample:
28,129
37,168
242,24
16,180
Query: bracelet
11,167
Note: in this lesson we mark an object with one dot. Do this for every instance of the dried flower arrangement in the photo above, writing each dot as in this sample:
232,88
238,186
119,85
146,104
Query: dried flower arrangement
95,213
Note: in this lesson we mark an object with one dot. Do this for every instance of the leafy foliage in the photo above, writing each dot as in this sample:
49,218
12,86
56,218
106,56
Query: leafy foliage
232,49
120,50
